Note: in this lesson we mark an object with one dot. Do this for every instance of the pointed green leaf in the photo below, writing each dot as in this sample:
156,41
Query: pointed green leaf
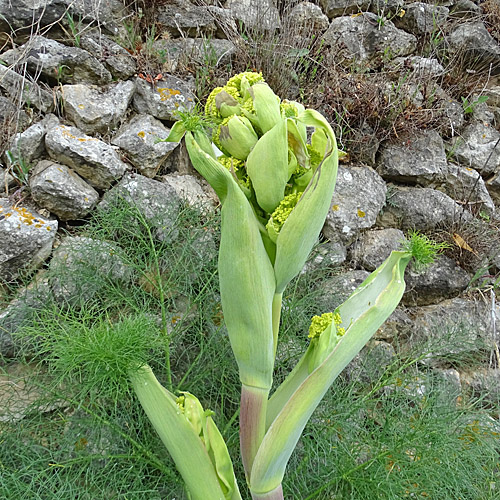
176,132
301,230
362,314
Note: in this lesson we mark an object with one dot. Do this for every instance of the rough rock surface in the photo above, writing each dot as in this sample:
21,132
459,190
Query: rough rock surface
464,184
94,160
484,383
26,240
478,147
164,98
334,8
58,189
441,280
337,290
180,52
255,13
188,189
182,18
421,18
12,83
374,246
474,44
30,144
454,326
155,201
423,67
308,16
360,38
420,208
83,267
19,15
417,160
138,138
114,57
57,62
359,197
329,254
97,110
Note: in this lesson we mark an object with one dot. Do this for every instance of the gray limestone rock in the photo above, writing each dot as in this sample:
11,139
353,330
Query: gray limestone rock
338,289
478,147
374,246
493,94
24,89
473,44
58,189
465,9
421,66
420,159
183,18
97,109
262,14
420,208
139,139
359,196
181,52
453,327
114,57
361,38
26,240
326,255
465,185
422,18
30,144
493,186
189,189
82,268
398,325
335,8
19,15
94,160
156,202
308,17
57,62
441,280
164,98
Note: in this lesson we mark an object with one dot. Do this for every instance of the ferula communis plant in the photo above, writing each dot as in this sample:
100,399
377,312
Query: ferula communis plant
275,189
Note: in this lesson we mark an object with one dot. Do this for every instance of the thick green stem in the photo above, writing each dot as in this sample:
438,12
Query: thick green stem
252,423
276,494
276,319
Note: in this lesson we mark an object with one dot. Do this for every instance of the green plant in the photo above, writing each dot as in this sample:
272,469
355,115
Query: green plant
75,28
470,106
18,168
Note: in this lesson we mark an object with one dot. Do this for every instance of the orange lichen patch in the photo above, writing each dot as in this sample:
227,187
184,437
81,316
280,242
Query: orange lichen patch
81,106
166,93
66,133
48,228
25,216
335,208
141,134
361,213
